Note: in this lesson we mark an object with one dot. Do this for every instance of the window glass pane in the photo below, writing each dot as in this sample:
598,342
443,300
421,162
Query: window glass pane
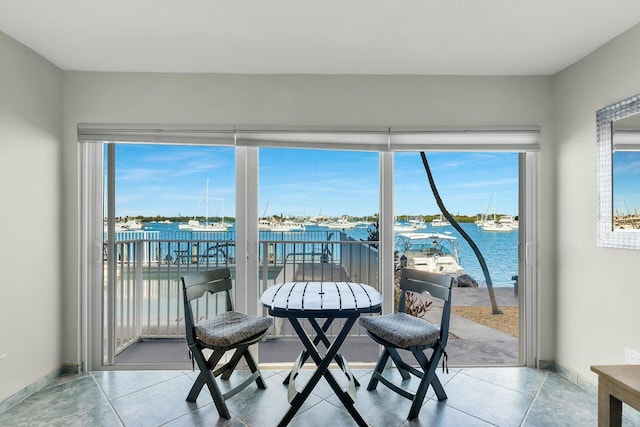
311,183
480,190
316,211
169,181
174,215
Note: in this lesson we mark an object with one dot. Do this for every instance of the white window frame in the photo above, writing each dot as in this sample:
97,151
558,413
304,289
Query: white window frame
528,258
247,197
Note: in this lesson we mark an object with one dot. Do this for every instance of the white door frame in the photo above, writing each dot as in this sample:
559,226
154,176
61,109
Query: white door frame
246,240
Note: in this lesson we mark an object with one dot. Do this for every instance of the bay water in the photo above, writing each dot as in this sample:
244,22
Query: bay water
499,249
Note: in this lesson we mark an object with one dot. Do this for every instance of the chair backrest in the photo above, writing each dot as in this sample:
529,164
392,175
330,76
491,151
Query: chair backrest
195,285
436,284
212,281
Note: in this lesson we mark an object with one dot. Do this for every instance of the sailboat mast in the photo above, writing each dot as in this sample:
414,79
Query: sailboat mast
206,206
495,205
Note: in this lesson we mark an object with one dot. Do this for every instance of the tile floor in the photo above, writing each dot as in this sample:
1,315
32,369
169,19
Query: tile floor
501,396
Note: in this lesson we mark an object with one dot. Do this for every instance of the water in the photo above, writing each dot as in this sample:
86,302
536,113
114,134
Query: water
500,250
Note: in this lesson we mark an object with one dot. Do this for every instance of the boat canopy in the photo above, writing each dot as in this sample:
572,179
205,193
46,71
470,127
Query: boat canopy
423,241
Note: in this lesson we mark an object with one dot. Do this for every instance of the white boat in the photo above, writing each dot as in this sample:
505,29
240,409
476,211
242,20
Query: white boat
506,223
319,220
264,225
418,224
409,225
434,252
130,225
341,224
195,225
440,222
133,224
279,226
276,225
294,225
403,227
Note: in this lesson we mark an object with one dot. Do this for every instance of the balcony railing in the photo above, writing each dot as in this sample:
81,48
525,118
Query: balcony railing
145,299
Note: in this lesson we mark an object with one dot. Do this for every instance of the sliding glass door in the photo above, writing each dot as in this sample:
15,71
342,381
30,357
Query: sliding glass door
319,213
152,212
169,211
466,222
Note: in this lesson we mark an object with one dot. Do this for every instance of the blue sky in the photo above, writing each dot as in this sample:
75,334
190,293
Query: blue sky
626,182
170,180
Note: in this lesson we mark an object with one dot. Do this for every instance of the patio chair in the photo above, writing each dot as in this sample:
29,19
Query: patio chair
402,331
227,331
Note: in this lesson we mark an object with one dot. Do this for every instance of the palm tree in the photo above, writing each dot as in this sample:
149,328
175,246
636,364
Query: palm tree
494,305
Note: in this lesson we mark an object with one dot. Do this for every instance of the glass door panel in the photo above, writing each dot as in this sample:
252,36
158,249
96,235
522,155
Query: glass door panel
318,220
481,191
174,214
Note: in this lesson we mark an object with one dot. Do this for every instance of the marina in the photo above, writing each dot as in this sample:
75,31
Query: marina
145,287
500,250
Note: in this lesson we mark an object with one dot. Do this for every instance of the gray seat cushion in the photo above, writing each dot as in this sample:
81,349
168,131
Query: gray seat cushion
401,329
231,328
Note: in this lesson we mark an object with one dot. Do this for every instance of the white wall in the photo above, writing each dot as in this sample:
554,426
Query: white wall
30,192
299,100
598,289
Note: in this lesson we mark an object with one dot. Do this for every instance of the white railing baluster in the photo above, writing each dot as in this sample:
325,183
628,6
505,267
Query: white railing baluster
139,288
147,299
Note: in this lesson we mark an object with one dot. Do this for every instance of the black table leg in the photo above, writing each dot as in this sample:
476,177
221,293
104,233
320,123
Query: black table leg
322,337
322,370
319,337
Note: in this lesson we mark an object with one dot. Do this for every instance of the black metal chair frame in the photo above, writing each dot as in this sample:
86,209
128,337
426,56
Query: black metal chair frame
439,286
195,286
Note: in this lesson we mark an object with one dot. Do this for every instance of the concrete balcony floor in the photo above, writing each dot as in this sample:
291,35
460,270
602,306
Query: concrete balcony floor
470,343
502,396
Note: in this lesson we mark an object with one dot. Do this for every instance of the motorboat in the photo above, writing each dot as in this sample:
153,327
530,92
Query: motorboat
434,252
279,226
440,222
294,225
264,225
130,225
418,224
133,224
403,227
282,226
341,224
400,226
